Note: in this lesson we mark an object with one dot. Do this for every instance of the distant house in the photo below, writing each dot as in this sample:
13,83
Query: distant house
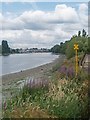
36,50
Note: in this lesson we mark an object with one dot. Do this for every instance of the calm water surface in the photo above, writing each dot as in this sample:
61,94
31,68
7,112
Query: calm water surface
17,62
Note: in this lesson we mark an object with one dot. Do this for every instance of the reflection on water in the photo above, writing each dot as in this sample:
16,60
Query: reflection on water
17,62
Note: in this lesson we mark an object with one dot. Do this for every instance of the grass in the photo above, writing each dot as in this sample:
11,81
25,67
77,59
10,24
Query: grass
63,97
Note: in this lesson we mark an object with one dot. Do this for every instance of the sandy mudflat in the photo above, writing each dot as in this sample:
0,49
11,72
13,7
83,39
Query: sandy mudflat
35,72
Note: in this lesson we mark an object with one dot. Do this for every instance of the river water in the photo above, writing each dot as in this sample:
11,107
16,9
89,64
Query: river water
17,62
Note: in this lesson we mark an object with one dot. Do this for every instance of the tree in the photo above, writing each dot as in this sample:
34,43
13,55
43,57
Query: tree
55,49
74,36
79,33
84,33
17,50
69,50
5,47
61,43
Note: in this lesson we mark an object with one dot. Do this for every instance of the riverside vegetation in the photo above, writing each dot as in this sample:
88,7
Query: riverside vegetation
61,96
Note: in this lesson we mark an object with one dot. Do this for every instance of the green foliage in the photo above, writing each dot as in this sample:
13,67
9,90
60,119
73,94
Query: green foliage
55,49
70,51
82,75
83,46
63,47
67,48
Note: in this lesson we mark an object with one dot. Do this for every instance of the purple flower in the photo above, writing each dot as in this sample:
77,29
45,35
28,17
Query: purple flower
36,83
63,70
67,71
70,72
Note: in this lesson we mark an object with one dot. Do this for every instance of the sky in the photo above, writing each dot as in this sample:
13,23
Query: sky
41,24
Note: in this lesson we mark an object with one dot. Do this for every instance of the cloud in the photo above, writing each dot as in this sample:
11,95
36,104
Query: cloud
83,8
44,38
66,14
41,20
83,14
41,28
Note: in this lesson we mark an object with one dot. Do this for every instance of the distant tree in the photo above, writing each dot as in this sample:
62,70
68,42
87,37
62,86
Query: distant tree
55,49
79,33
63,47
84,33
12,51
61,43
5,47
17,50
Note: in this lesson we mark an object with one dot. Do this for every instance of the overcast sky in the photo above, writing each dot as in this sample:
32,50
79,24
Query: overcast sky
41,24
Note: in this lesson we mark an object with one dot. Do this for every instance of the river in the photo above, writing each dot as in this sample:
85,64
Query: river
17,62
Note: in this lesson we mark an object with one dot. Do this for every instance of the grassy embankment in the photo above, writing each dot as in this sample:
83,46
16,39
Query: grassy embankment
63,96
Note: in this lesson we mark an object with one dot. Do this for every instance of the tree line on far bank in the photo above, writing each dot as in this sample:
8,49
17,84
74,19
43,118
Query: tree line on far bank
67,48
6,50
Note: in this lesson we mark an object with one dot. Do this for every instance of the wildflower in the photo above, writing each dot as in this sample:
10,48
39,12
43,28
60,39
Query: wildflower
63,69
70,72
35,83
